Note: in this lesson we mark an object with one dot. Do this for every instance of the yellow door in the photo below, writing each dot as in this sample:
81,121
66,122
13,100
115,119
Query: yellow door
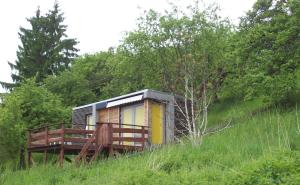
157,123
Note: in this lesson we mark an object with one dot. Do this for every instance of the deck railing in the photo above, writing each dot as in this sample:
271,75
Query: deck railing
104,134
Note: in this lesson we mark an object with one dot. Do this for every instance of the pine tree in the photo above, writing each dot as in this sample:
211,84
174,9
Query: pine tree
44,50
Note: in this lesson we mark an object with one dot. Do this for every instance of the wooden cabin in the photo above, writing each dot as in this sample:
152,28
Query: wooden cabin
150,108
125,123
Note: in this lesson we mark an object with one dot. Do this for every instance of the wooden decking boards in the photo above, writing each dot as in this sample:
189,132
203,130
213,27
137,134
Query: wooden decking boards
86,144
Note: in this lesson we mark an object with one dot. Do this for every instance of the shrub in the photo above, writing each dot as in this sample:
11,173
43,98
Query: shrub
282,168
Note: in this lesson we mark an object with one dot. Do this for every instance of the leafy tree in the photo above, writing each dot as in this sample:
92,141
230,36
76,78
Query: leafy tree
72,87
97,69
27,106
268,50
166,47
184,53
88,80
45,48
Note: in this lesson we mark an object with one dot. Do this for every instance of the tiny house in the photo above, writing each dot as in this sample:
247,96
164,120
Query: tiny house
125,123
150,108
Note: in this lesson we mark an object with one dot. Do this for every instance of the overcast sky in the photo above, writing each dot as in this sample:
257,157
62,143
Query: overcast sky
96,24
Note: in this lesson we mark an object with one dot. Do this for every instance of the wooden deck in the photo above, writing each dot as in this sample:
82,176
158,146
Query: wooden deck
109,138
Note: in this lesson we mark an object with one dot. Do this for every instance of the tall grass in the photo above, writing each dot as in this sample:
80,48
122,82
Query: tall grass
232,109
221,155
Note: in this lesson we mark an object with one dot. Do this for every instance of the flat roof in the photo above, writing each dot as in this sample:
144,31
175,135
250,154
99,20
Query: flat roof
125,96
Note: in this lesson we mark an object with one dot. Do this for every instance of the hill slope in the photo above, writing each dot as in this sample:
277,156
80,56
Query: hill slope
260,149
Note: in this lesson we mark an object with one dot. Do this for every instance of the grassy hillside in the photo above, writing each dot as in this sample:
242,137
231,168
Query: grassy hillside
262,149
234,110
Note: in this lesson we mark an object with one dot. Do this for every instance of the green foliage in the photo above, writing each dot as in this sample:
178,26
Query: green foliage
233,109
167,47
72,87
26,107
44,48
283,168
267,50
97,69
261,58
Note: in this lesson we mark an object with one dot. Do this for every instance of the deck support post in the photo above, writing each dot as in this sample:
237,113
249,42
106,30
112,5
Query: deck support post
29,159
62,152
29,155
143,137
97,134
61,156
45,157
110,145
110,151
46,143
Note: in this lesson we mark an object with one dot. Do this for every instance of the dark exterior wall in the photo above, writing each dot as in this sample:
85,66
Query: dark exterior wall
79,116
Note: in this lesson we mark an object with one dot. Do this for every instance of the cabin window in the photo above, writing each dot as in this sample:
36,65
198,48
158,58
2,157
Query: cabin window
89,122
132,116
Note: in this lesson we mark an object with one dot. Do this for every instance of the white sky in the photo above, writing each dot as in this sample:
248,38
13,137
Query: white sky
97,24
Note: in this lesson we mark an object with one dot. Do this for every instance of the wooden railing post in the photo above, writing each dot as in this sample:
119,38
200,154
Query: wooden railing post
46,135
110,132
29,155
143,137
120,134
28,139
46,143
61,154
97,134
110,136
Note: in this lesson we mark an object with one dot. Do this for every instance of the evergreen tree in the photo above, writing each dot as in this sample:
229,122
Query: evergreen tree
45,48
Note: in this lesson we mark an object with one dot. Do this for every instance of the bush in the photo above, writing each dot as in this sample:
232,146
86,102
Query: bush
283,168
27,106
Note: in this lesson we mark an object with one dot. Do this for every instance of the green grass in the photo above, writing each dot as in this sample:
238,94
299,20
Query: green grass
257,143
231,109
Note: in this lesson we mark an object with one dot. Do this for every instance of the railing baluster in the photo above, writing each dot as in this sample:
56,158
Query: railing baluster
46,135
61,155
119,134
29,139
143,136
29,156
97,134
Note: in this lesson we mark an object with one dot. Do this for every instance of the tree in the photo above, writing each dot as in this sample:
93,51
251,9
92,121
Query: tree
268,50
45,48
164,44
28,106
88,80
97,69
72,87
183,53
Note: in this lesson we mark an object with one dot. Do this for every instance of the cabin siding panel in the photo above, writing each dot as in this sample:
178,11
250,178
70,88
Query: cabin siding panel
114,115
79,116
103,116
110,115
